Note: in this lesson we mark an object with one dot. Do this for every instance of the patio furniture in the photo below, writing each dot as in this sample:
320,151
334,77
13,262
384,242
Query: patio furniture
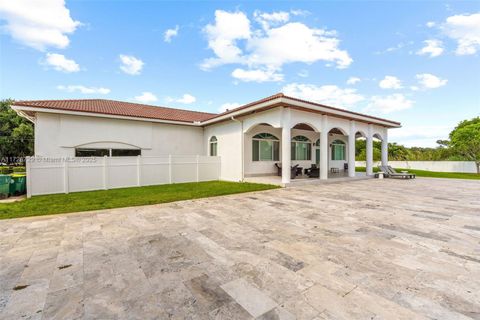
391,173
334,170
293,170
279,169
299,171
379,175
345,166
313,171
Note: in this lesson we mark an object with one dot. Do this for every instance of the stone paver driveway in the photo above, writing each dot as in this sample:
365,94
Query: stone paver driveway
367,249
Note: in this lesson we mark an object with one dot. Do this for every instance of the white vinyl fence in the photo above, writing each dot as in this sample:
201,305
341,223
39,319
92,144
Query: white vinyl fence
64,175
439,166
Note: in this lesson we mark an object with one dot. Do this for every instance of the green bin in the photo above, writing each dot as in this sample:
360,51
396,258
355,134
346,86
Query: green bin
17,184
4,185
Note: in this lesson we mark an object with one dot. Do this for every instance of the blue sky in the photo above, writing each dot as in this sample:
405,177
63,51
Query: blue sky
414,62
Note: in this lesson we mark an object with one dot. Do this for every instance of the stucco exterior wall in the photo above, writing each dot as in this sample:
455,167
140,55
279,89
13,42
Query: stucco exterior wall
59,135
229,148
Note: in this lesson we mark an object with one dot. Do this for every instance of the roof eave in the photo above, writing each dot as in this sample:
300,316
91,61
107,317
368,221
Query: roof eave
287,101
21,108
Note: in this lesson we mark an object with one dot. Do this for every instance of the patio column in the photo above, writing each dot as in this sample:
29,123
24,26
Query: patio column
369,151
324,149
351,150
385,149
286,146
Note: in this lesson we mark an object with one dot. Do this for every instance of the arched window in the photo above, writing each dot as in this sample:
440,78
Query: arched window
265,147
338,150
213,146
301,148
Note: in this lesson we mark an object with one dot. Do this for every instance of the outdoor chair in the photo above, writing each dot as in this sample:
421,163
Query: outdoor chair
389,172
293,170
313,171
406,175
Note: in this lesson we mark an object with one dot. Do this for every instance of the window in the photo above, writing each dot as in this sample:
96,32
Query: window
265,147
126,152
301,148
90,152
213,146
317,152
338,150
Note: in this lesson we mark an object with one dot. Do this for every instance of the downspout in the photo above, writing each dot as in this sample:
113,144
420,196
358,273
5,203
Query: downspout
242,147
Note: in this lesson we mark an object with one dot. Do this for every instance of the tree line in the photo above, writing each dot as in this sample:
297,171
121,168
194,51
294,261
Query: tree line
463,145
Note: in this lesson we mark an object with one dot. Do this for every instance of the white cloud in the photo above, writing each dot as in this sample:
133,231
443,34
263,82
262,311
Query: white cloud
399,46
303,73
433,47
256,75
353,80
223,35
304,45
83,89
328,94
390,82
228,106
388,104
234,42
269,19
430,24
465,29
170,33
60,63
131,65
146,97
429,81
185,99
38,24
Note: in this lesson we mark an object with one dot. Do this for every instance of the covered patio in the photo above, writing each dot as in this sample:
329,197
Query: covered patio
290,146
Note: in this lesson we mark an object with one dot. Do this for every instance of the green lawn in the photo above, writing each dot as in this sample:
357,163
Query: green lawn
125,197
432,174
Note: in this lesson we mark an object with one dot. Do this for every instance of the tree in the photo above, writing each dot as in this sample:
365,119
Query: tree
16,134
465,140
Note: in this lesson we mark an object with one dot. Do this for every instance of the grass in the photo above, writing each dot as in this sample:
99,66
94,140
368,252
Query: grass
125,197
432,174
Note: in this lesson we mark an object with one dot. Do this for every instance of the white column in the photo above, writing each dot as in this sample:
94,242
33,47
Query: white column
286,143
324,149
351,150
369,151
385,149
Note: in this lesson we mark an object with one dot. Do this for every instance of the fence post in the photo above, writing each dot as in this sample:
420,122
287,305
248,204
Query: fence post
65,175
169,168
139,172
105,181
29,176
197,172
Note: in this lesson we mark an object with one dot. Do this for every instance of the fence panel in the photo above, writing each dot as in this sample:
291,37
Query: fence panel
64,175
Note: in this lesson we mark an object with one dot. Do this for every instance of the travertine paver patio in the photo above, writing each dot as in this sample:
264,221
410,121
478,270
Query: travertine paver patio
390,249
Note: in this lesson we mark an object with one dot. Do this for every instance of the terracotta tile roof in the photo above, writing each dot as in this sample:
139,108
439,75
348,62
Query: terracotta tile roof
137,110
119,108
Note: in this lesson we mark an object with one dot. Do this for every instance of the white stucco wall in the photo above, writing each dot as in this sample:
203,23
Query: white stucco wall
229,148
59,135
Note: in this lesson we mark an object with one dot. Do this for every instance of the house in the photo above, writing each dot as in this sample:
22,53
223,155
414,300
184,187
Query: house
249,139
